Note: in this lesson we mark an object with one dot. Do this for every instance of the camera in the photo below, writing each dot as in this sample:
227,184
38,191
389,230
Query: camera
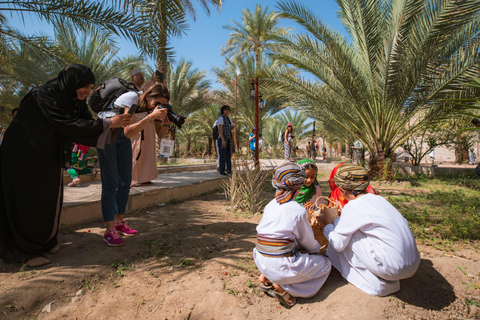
177,119
476,122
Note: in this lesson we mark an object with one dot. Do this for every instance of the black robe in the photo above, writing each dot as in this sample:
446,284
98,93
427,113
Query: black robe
36,146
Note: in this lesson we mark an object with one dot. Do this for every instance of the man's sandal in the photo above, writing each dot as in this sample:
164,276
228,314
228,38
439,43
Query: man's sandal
283,297
268,289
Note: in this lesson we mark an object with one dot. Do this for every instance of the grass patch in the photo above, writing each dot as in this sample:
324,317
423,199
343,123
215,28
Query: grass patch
447,214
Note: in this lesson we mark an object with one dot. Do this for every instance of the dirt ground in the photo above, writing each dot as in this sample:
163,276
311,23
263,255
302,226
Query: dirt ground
193,260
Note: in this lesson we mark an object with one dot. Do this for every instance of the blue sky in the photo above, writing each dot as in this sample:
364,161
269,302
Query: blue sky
202,42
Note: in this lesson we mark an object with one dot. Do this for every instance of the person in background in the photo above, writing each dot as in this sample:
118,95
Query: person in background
288,137
309,150
225,141
358,149
285,272
251,138
432,156
49,118
316,147
78,165
370,243
473,157
138,79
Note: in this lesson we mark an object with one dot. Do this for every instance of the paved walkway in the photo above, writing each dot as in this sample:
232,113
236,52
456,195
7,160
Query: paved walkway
82,203
179,182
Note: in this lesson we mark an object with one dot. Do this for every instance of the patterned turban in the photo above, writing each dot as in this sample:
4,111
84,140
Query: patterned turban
352,177
286,179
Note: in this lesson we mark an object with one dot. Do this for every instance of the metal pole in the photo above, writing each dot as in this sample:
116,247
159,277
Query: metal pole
311,143
257,159
323,141
235,122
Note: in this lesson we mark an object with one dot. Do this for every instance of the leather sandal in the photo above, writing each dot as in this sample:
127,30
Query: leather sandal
37,262
267,289
283,297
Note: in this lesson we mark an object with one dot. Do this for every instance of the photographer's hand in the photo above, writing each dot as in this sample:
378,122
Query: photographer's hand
120,120
159,114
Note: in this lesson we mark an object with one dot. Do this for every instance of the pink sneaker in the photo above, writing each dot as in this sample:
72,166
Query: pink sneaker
113,239
125,229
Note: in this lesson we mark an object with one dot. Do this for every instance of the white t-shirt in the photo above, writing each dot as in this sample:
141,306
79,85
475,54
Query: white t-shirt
220,121
126,100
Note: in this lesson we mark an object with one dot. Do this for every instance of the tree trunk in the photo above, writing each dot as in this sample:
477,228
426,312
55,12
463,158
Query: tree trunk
348,149
162,52
209,145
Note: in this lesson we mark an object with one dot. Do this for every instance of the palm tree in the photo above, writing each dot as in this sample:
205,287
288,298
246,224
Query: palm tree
404,57
166,19
272,130
255,33
245,108
96,49
80,14
206,118
30,66
188,90
299,124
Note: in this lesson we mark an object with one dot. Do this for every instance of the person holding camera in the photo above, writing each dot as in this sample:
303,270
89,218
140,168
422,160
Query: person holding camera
51,116
144,160
116,160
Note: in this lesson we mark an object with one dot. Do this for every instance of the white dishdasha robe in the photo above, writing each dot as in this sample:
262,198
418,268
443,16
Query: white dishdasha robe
372,246
301,275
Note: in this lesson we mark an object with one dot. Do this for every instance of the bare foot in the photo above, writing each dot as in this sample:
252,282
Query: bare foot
264,280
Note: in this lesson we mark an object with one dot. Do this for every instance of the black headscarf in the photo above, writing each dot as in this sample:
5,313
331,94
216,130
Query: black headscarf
71,78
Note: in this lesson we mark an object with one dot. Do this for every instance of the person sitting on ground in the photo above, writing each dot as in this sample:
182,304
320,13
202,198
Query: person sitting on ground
286,273
370,243
310,191
78,165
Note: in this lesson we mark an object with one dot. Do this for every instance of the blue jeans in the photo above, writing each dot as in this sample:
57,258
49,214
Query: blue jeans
225,156
116,172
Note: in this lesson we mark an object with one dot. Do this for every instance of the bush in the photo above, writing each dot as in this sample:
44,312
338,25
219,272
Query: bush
245,186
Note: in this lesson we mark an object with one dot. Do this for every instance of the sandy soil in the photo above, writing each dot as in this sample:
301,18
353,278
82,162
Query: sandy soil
193,260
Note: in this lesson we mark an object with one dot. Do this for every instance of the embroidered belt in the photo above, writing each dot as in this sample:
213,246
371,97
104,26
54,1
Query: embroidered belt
274,247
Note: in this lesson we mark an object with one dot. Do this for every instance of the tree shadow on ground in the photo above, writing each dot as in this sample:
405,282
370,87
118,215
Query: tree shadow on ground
427,289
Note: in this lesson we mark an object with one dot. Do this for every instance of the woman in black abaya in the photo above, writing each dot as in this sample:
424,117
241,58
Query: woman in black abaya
50,118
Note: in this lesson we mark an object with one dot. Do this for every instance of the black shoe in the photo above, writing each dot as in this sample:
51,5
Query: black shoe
229,172
223,174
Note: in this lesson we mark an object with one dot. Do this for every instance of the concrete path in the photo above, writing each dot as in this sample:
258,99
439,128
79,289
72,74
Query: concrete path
179,182
82,203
